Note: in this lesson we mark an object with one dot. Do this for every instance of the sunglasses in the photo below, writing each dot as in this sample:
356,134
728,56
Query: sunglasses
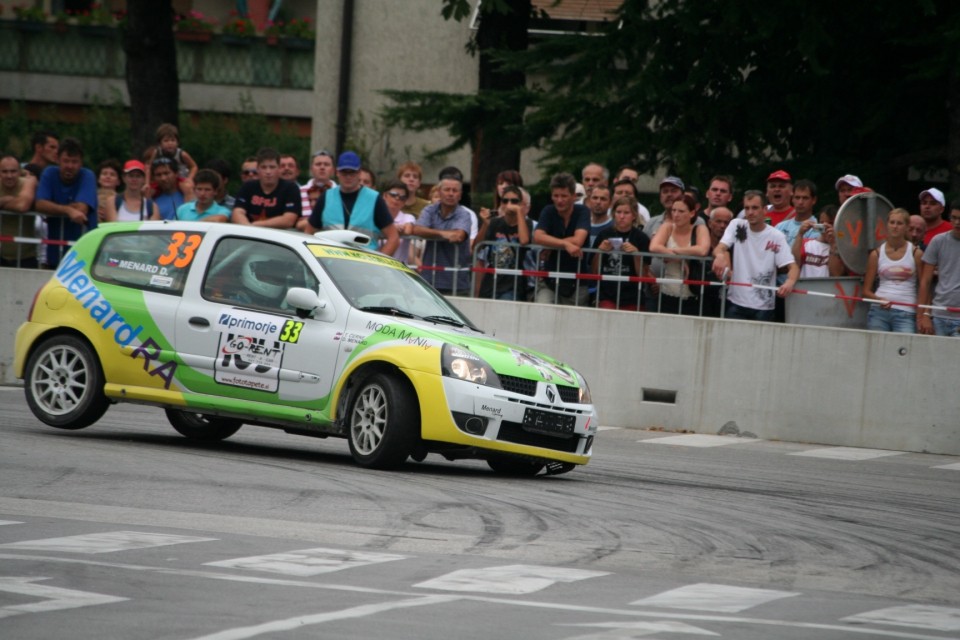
249,172
511,200
397,194
322,152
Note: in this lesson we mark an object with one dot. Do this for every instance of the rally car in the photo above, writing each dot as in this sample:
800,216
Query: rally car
224,325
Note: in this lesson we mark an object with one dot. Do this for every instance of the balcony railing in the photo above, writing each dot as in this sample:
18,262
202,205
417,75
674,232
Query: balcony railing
96,51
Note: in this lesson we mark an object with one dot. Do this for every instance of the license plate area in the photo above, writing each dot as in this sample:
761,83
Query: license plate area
550,424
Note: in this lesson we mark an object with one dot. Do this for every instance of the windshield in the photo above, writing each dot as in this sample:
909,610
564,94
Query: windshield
379,284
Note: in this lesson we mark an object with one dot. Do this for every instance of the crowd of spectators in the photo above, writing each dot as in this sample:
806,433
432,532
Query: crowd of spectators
594,229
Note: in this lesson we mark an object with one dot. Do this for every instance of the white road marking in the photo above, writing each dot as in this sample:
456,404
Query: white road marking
624,630
921,616
514,578
700,440
3,522
955,466
308,562
713,597
106,542
847,453
566,607
299,622
608,428
52,598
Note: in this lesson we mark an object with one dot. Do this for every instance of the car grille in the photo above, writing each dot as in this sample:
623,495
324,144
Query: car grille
514,432
519,385
569,394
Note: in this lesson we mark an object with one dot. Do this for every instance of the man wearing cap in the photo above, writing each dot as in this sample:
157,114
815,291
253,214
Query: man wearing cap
350,205
846,186
671,188
932,204
268,201
943,257
780,197
67,195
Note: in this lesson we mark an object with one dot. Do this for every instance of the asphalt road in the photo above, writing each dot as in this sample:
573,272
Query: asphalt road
127,530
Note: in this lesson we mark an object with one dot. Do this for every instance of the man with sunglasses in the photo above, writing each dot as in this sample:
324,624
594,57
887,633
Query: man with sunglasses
350,205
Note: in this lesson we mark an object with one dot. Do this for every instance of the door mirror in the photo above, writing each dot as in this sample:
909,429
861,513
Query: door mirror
308,304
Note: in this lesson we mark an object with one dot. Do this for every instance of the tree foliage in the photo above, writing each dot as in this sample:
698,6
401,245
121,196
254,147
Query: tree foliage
699,88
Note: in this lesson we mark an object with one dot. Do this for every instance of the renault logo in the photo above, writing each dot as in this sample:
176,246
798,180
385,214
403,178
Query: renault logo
551,396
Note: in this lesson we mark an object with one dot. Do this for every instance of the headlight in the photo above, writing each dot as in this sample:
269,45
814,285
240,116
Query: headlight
457,362
585,397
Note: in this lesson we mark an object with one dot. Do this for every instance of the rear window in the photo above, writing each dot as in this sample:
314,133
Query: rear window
152,260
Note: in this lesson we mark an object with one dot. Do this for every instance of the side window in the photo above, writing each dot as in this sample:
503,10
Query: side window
154,260
255,274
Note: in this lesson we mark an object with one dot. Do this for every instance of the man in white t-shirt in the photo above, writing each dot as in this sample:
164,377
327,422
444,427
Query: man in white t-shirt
760,251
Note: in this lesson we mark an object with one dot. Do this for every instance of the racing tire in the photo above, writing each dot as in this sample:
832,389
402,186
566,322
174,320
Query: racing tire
64,383
381,420
519,467
202,428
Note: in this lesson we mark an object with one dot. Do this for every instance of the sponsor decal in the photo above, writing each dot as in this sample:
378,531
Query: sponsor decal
249,361
161,281
494,411
348,338
547,370
323,251
399,333
72,274
253,323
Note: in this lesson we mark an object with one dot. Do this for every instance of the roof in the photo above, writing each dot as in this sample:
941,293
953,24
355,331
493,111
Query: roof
582,10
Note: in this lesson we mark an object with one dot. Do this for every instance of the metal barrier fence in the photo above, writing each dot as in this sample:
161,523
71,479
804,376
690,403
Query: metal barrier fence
25,237
682,285
603,279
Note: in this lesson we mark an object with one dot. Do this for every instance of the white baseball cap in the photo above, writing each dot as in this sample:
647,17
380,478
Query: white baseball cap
936,194
849,179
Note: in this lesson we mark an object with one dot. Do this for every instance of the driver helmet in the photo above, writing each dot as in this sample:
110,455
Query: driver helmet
264,276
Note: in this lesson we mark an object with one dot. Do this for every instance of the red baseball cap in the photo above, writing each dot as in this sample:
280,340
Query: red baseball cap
779,174
134,165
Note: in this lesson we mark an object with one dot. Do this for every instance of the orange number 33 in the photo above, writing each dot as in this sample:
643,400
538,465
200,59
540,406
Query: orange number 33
180,250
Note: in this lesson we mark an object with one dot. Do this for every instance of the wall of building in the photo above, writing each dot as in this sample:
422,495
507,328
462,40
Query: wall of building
396,45
783,382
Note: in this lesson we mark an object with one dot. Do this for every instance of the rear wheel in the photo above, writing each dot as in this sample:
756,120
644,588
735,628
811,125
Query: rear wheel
202,428
515,466
64,383
383,421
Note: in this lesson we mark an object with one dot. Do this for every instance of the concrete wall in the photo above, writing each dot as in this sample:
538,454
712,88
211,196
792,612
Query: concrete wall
783,382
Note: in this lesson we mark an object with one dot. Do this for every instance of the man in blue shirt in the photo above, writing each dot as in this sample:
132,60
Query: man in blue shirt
67,194
564,227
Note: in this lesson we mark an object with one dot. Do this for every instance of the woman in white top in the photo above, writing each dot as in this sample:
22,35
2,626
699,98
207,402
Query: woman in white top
131,205
894,268
681,237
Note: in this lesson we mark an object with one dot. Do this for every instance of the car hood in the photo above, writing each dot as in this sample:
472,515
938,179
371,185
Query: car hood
504,358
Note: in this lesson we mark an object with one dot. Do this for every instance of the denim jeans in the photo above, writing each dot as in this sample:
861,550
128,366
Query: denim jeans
946,326
736,312
895,320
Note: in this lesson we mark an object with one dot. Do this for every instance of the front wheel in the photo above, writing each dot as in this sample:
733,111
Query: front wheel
202,428
64,383
382,421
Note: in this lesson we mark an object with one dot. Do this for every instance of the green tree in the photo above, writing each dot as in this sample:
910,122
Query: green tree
698,88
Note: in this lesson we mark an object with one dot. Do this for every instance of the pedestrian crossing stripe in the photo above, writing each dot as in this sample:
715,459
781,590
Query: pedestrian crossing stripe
713,597
700,440
513,579
106,542
308,562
